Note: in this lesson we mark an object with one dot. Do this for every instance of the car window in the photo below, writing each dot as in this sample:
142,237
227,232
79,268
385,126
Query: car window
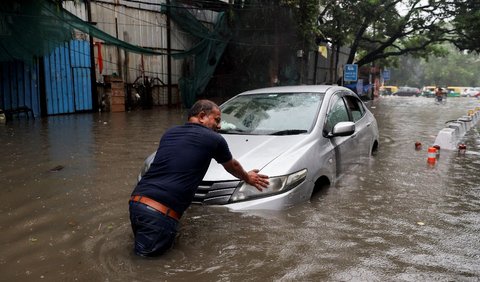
355,106
271,113
337,113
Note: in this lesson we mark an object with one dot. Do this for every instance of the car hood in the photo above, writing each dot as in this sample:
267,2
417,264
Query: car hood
253,152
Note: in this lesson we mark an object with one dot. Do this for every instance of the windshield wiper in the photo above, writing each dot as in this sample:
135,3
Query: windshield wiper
231,131
289,132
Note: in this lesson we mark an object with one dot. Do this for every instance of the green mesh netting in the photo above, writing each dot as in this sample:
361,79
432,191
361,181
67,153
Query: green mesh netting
34,27
204,56
30,28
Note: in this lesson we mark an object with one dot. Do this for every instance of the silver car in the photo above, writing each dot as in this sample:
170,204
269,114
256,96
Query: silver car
302,137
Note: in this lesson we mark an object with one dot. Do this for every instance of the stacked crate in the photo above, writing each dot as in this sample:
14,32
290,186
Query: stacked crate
115,90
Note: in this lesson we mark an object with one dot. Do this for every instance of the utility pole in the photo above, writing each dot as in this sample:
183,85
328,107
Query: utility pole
169,56
119,55
93,77
371,77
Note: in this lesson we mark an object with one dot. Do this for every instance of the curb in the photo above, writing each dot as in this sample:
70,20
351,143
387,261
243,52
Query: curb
448,138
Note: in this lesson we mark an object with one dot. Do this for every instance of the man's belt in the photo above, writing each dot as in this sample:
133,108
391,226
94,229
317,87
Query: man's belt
157,206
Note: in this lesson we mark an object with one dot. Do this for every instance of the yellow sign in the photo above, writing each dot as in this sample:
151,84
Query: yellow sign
323,51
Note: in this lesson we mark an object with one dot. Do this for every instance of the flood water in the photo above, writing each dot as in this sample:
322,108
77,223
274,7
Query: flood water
65,182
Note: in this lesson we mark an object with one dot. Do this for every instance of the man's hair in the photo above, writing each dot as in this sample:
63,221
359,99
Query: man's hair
205,106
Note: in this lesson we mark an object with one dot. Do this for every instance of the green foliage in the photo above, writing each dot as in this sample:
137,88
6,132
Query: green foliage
455,69
467,25
378,29
306,15
381,31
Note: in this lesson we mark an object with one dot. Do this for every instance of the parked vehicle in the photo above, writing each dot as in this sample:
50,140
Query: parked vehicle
388,90
428,91
455,91
302,137
471,92
407,91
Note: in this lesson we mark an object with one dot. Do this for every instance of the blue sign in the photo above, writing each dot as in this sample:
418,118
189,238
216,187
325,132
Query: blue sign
386,75
350,73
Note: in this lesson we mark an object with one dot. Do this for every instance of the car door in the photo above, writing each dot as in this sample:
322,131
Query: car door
342,145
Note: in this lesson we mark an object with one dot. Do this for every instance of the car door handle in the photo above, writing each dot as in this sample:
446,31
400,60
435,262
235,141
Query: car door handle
369,124
354,135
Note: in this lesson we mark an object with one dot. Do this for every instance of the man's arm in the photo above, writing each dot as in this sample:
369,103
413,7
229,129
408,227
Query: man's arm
252,177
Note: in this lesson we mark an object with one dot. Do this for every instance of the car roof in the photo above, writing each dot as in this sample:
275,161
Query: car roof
296,88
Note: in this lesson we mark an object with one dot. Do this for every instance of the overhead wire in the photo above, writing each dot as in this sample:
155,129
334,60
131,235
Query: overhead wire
236,42
162,26
208,5
76,51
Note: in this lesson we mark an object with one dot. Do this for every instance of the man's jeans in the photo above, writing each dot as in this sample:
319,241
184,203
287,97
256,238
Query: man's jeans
154,232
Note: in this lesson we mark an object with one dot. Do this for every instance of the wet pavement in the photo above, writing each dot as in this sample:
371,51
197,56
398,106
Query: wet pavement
65,182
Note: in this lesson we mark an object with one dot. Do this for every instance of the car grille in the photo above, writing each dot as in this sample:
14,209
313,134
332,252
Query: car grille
214,193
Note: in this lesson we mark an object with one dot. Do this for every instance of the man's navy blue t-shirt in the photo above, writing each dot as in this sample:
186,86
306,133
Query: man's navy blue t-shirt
181,161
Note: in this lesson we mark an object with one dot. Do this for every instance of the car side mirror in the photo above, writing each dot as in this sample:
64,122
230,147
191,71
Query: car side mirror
343,128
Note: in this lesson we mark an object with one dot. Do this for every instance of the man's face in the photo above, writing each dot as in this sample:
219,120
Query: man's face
212,120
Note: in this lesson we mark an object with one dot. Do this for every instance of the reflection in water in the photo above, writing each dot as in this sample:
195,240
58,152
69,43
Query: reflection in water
393,218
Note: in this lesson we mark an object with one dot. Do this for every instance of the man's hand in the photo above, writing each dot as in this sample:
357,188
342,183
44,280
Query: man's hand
252,177
259,181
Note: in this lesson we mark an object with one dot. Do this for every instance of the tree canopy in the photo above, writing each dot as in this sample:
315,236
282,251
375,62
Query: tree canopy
467,25
459,68
383,30
268,33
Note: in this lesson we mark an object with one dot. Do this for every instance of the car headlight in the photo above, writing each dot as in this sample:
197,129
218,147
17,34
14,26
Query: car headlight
277,185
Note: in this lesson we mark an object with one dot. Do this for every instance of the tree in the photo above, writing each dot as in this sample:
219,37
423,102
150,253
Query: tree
379,30
457,69
268,33
467,25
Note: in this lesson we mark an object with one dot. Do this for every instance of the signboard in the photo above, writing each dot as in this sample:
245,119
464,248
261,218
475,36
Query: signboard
350,73
386,74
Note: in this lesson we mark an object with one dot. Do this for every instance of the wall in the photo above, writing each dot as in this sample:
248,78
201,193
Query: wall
139,27
323,74
19,85
145,25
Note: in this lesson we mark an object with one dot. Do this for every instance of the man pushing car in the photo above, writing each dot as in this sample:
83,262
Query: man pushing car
168,187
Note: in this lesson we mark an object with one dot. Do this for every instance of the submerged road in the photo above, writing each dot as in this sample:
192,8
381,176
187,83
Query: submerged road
65,183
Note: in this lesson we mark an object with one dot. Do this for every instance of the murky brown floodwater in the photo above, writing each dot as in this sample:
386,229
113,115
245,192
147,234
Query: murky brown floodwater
393,219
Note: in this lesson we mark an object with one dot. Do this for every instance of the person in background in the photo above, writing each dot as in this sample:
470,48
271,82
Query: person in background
168,187
439,94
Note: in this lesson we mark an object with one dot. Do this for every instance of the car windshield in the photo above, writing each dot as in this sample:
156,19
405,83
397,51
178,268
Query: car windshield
271,113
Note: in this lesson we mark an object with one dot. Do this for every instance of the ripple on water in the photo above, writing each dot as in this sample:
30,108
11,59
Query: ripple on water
391,219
